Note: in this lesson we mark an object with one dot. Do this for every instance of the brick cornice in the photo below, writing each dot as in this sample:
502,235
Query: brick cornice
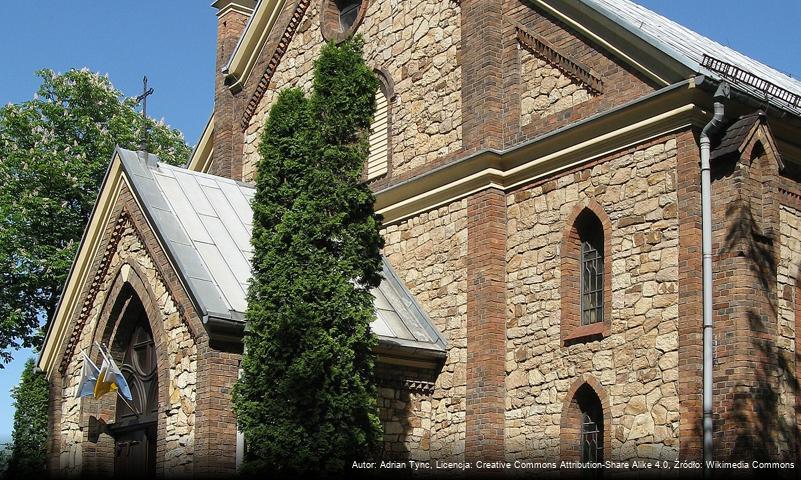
275,60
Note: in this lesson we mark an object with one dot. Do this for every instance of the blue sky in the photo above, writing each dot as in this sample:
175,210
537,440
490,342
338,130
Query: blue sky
173,43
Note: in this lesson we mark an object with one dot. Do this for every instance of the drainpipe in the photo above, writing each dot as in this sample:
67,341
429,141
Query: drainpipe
711,128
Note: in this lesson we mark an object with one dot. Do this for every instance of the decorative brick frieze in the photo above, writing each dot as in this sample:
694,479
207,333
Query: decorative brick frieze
548,52
278,53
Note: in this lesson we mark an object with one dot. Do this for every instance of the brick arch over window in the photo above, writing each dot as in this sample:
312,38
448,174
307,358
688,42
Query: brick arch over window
128,289
585,217
582,390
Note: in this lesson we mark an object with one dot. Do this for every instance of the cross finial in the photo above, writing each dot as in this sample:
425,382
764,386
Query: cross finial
146,92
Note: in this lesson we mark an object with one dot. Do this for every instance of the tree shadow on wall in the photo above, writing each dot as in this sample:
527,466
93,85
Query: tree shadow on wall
765,430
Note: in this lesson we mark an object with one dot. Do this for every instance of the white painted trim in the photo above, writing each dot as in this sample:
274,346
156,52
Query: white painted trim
252,42
506,179
601,41
78,276
202,154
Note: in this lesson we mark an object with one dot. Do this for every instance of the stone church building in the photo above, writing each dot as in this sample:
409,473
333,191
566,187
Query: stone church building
538,164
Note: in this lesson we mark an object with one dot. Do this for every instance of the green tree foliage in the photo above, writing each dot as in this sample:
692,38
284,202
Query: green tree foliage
29,438
306,400
54,152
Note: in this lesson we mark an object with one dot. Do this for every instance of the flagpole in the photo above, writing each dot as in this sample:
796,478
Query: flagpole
106,357
126,402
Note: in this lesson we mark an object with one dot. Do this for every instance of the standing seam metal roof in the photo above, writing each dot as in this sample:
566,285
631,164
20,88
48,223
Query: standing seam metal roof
689,47
205,222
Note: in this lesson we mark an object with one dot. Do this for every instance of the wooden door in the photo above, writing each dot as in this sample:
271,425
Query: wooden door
136,424
135,453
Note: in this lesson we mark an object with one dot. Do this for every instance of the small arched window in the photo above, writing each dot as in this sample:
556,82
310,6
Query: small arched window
591,440
584,426
378,159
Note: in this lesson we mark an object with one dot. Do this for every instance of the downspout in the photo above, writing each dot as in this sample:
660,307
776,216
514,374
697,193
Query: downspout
711,128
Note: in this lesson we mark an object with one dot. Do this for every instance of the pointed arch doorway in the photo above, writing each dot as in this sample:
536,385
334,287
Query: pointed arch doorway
136,424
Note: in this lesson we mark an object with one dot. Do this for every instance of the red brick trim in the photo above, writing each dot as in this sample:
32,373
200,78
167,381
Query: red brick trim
486,326
94,288
272,66
569,289
482,73
688,194
570,421
124,219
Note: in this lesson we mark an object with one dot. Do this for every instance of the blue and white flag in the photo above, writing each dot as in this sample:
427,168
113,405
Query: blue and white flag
89,373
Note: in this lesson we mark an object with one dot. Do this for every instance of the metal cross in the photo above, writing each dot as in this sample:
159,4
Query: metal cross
146,92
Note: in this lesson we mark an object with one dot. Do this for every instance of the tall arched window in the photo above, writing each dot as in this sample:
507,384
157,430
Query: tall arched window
380,140
591,233
585,274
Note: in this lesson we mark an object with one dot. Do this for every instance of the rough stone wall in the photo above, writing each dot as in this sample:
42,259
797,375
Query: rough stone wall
404,402
179,412
416,43
787,277
637,362
429,254
546,90
407,424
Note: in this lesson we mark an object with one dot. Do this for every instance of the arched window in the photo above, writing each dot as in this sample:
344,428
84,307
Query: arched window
585,274
380,139
591,234
135,426
348,12
591,439
584,427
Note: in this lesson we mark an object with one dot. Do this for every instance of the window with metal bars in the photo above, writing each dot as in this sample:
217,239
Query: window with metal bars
592,424
592,273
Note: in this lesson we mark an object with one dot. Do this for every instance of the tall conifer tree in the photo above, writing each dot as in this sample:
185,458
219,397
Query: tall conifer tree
306,400
29,438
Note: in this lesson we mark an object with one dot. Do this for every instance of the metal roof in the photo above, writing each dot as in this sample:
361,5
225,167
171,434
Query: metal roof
205,223
689,48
